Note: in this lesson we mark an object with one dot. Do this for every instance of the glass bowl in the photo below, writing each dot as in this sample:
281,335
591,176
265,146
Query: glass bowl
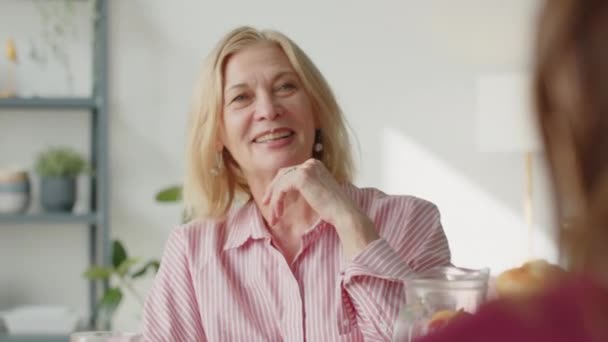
437,296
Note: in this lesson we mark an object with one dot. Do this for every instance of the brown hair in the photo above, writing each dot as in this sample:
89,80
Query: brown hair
571,94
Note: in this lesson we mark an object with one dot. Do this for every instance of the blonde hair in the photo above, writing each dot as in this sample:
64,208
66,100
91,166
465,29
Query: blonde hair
210,196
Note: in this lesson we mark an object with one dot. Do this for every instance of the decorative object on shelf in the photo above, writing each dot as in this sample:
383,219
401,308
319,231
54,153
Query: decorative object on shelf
58,168
9,89
121,271
59,31
37,320
14,191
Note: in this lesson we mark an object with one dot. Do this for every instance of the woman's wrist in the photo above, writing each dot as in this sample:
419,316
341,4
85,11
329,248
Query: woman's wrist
356,231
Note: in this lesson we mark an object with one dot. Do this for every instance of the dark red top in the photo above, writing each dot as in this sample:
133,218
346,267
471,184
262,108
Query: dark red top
563,314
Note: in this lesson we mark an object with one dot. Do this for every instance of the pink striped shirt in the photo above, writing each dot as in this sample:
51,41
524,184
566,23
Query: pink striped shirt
224,281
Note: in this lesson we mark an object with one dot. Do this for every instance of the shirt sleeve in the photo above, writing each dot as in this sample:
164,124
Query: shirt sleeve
171,311
373,283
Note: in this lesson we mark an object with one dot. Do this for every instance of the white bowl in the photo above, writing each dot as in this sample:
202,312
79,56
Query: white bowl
14,191
13,203
40,320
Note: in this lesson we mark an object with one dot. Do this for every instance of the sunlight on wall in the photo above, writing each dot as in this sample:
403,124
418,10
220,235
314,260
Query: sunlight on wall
482,231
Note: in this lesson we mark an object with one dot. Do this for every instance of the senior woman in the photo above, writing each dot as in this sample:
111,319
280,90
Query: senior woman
306,255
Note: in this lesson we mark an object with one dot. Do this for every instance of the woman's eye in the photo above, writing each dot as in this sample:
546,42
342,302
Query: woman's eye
286,87
239,98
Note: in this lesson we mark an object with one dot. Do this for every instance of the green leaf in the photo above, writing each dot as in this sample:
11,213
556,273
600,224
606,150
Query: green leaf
125,266
109,302
170,194
119,254
154,264
98,272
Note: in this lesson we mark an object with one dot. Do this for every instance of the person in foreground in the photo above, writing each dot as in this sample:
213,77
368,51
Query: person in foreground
571,87
307,256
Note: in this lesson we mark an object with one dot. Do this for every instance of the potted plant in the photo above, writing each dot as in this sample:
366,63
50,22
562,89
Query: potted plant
58,168
121,274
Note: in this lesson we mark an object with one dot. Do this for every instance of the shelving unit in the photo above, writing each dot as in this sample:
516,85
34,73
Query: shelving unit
97,221
35,338
60,103
50,218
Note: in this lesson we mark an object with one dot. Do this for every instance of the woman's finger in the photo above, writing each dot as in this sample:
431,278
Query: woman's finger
280,203
285,184
276,200
268,194
282,172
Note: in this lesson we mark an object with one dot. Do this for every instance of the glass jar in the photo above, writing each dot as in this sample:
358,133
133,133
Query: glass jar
436,296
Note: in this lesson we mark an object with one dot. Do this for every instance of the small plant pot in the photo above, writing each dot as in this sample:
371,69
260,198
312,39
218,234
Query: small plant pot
58,194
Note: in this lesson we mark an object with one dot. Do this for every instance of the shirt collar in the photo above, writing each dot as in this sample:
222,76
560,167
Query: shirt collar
246,224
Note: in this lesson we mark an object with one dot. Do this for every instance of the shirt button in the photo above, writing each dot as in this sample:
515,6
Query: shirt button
345,323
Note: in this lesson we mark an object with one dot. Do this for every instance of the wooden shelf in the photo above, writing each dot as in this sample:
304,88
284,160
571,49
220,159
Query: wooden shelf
49,218
52,103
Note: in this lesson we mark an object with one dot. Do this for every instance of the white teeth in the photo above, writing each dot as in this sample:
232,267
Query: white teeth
272,136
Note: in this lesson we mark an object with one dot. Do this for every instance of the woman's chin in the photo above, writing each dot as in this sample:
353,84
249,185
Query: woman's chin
275,165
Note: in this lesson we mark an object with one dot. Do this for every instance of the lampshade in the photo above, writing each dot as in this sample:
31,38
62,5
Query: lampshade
505,120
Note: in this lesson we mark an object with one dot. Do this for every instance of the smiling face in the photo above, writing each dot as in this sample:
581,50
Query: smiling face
268,121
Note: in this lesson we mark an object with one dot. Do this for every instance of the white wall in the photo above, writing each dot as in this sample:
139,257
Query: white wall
404,72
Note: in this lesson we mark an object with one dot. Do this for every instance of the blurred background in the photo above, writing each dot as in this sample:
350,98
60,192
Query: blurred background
111,80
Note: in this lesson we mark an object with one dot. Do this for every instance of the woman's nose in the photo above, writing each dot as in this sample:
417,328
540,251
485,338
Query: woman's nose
266,107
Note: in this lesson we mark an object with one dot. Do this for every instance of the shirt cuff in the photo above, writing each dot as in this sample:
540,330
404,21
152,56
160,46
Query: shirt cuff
377,260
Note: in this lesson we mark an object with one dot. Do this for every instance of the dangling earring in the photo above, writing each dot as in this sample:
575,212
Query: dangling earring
219,164
317,151
318,147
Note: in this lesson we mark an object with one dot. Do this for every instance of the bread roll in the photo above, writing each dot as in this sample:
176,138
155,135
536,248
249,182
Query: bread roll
530,278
